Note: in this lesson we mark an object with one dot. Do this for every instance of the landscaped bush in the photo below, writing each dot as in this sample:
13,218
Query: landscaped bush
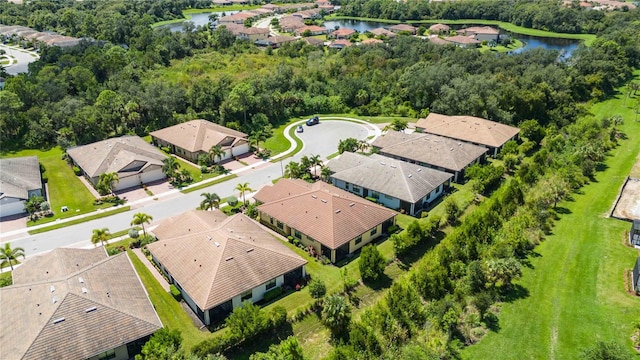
371,263
278,316
393,229
372,199
272,294
77,171
232,200
175,292
317,288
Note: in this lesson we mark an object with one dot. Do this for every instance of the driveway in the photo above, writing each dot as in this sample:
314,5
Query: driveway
24,58
321,139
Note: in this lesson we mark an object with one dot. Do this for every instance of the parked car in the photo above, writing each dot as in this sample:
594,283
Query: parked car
312,121
300,129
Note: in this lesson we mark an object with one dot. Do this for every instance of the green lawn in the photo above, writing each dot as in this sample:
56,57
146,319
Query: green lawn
187,13
575,287
516,44
169,310
207,184
278,143
65,189
80,220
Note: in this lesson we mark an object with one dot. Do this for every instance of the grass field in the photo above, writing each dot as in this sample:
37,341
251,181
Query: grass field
65,189
575,287
80,220
516,44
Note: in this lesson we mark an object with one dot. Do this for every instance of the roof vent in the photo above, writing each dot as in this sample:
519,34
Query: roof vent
410,175
381,163
84,290
314,196
208,237
229,258
55,299
81,280
217,244
323,200
93,308
250,250
351,205
338,211
52,288
419,169
59,320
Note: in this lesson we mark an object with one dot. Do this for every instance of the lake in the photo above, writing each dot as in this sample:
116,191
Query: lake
197,19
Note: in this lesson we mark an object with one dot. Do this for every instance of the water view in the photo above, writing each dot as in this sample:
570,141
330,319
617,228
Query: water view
197,19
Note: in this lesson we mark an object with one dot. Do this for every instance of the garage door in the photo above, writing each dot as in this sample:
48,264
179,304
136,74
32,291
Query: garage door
127,182
11,207
241,149
152,174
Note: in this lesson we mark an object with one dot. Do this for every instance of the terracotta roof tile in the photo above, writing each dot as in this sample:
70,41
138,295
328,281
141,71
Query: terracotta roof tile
468,128
197,135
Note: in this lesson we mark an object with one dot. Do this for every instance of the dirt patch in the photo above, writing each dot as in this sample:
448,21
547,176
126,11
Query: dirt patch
635,170
628,207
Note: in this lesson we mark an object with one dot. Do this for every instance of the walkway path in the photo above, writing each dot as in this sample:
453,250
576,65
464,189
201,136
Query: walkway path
161,280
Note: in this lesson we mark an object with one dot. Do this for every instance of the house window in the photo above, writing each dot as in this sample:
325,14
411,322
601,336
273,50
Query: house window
346,185
374,231
247,295
271,220
375,194
297,234
358,239
271,284
280,225
356,188
111,354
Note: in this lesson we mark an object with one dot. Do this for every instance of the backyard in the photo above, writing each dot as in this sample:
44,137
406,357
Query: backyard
575,285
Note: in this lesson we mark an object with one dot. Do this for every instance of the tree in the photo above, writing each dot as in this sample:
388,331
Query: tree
336,315
162,345
33,205
317,288
100,236
243,188
107,181
141,219
371,263
500,272
348,144
452,210
9,255
397,125
606,351
315,161
211,200
294,170
170,167
325,173
216,152
247,321
288,349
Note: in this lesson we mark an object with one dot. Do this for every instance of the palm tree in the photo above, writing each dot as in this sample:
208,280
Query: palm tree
141,219
109,180
100,236
211,200
325,173
170,166
9,255
243,188
293,170
216,152
315,162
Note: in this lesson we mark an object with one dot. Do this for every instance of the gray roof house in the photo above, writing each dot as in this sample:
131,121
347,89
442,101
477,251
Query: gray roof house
430,150
134,160
75,304
396,184
20,179
217,262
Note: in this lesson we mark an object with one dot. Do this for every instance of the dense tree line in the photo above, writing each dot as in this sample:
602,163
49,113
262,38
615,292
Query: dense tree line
549,15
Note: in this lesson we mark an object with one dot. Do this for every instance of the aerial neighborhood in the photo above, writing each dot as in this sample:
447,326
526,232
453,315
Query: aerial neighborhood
234,179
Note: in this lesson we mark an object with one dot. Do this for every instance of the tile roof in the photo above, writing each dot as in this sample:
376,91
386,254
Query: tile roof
225,260
18,176
481,30
400,179
325,213
382,31
343,32
193,221
468,128
430,149
57,264
78,315
461,39
284,188
439,27
371,41
403,27
340,43
112,155
197,135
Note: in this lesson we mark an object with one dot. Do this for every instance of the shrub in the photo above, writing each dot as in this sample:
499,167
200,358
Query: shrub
290,238
278,316
372,199
77,171
247,321
317,288
232,201
452,210
371,263
204,169
175,292
272,294
393,229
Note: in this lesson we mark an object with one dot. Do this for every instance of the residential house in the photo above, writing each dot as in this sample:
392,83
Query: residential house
396,184
463,41
439,29
134,160
217,262
76,304
434,39
475,130
251,34
382,32
276,41
343,33
634,234
314,41
313,30
371,41
340,44
291,23
193,138
308,14
482,33
334,222
635,277
20,179
429,150
327,8
403,28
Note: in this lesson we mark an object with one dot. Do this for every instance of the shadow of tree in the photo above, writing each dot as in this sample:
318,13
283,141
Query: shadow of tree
259,344
562,210
382,282
516,292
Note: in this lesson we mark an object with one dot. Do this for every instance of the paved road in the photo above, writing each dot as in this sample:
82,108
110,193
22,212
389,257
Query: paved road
321,139
24,59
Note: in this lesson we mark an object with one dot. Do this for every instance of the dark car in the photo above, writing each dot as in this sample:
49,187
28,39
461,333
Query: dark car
312,121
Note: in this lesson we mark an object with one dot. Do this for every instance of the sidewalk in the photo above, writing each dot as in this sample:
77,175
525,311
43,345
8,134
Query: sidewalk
152,269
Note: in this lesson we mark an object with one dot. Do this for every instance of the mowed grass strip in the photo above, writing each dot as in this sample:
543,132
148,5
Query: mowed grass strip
80,220
575,287
65,188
